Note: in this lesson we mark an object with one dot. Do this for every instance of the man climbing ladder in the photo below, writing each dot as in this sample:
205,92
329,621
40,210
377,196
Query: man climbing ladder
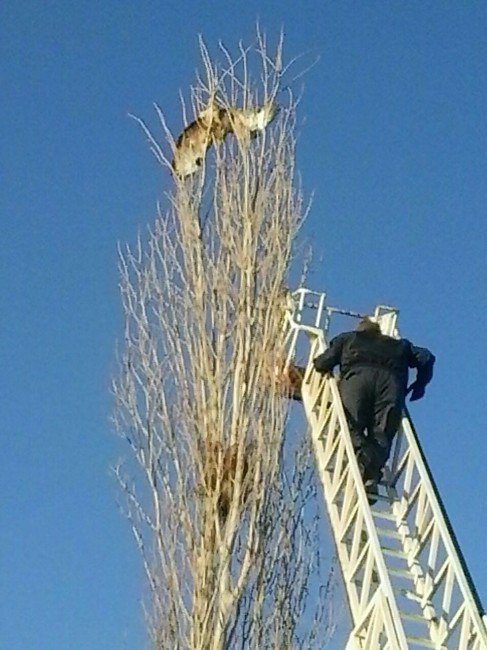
406,581
373,388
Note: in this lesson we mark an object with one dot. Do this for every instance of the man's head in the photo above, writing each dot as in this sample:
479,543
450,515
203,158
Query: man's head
368,326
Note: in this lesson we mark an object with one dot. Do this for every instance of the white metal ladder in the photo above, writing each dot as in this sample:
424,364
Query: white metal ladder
405,578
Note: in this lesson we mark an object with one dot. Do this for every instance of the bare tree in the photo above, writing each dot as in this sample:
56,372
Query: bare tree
218,497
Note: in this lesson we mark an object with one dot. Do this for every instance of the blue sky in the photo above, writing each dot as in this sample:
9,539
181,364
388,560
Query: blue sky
392,143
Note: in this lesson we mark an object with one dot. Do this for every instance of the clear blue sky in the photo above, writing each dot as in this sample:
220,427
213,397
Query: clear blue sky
392,142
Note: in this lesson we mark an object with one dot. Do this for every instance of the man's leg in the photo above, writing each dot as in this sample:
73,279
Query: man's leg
389,400
357,399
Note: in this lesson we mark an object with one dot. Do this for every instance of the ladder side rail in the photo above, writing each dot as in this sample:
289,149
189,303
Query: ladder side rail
312,388
442,523
321,304
301,298
291,332
305,301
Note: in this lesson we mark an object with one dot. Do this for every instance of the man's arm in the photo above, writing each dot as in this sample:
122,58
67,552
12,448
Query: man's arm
423,360
331,357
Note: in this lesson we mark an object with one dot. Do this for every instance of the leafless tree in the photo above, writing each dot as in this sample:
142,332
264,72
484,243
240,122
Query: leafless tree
219,499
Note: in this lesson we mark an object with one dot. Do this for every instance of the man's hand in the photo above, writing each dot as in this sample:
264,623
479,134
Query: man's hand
319,368
417,391
316,365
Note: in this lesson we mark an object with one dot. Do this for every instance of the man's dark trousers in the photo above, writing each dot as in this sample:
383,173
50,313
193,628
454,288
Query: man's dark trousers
373,399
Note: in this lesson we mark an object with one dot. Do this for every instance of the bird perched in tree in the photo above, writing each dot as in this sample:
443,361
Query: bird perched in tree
246,122
212,125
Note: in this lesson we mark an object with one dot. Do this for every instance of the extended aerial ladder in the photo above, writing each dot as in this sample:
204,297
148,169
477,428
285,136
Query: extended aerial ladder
405,579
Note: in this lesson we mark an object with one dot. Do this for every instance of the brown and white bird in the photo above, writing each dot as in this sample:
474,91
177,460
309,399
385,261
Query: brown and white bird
212,125
246,122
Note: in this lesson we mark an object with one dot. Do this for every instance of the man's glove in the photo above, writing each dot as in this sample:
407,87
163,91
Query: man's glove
417,391
319,368
316,364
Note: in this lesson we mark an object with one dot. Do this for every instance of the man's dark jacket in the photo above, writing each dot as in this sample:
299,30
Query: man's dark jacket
352,350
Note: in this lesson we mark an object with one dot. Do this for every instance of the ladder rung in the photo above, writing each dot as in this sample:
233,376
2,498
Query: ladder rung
383,514
384,497
394,552
414,618
400,573
424,643
407,593
388,532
